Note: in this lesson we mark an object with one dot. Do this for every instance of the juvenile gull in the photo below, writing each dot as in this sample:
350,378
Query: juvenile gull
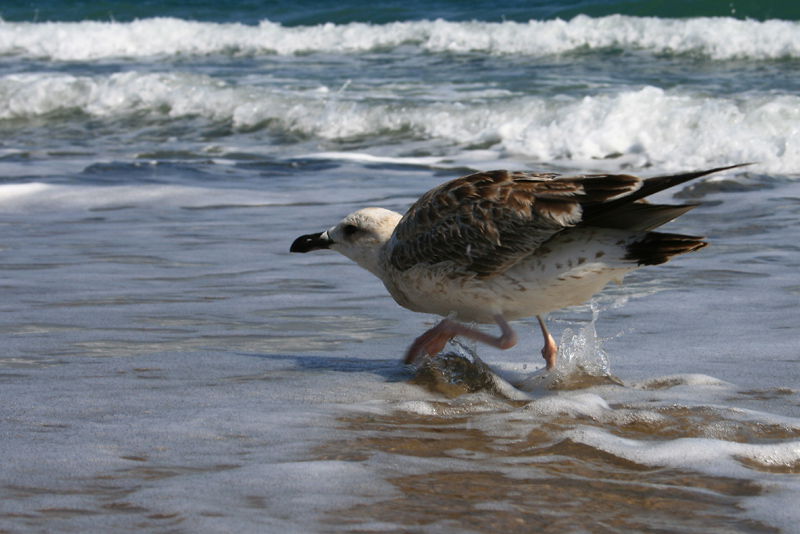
497,246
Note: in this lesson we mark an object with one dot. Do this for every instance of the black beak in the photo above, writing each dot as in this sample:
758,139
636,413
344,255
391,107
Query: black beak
307,243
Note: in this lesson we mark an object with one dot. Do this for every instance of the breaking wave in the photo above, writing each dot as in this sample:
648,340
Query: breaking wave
643,126
716,38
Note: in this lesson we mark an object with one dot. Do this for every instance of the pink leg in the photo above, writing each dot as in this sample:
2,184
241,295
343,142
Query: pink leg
433,341
550,348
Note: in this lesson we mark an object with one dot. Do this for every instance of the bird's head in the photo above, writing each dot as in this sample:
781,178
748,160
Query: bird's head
361,236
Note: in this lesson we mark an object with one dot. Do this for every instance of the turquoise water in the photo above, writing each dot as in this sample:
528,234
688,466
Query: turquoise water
320,11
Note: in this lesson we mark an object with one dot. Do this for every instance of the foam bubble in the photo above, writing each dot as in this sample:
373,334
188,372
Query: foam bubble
714,456
579,405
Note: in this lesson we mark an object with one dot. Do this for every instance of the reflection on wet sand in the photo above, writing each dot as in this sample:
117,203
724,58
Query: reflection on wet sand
540,485
483,478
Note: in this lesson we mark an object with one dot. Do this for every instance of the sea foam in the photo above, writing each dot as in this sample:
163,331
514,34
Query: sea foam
715,38
638,126
37,196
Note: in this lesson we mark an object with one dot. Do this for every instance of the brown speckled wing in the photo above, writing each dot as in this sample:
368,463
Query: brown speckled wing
486,222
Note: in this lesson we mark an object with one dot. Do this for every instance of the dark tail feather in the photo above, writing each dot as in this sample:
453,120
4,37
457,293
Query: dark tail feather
640,216
657,248
649,187
652,186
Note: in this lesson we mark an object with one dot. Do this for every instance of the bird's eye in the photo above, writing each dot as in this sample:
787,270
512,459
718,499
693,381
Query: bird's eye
350,229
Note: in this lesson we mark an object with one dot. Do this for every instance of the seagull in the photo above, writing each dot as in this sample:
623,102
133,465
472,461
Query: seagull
496,246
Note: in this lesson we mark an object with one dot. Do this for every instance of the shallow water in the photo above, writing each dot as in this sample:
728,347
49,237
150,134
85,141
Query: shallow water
167,365
150,382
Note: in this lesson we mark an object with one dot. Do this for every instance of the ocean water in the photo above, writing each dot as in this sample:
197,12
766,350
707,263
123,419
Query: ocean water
167,365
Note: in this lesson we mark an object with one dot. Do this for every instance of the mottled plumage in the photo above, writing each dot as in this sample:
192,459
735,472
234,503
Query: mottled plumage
495,246
486,222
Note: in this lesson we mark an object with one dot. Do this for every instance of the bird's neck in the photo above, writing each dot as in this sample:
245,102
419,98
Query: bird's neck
376,260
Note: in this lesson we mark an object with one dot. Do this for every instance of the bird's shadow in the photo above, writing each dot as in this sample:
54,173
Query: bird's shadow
458,370
451,373
390,369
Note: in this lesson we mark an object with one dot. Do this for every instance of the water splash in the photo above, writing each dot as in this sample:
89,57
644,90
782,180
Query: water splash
581,361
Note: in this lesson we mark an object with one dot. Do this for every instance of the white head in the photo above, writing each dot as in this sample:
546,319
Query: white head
361,236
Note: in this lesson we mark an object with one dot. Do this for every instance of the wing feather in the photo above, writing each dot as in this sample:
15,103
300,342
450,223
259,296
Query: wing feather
486,222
